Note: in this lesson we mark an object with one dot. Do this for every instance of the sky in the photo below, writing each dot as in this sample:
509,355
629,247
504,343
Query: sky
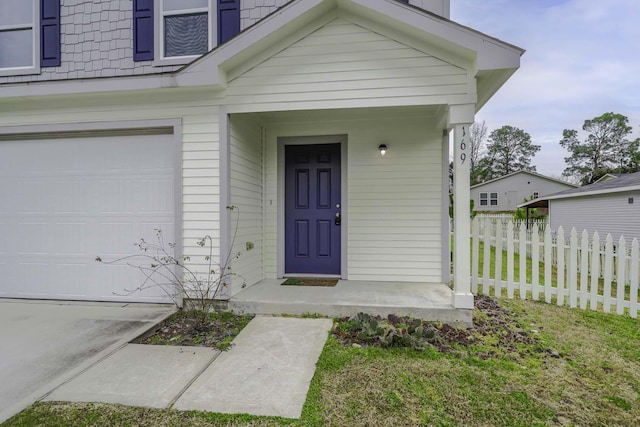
582,60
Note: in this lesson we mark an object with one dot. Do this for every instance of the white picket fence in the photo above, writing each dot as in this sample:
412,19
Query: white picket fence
581,271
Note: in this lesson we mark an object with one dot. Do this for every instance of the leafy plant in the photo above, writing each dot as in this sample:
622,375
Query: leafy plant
177,277
393,331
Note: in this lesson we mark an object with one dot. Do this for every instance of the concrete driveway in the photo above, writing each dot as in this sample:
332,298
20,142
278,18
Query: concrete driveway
45,344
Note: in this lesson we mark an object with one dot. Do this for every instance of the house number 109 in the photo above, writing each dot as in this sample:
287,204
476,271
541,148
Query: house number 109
463,146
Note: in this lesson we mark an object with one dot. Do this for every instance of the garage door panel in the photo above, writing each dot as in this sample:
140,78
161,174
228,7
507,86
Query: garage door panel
33,238
64,202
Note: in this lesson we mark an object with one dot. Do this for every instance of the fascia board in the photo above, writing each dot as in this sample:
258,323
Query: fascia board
92,85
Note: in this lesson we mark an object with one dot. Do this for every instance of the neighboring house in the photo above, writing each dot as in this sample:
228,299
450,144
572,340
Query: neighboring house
126,116
504,194
609,206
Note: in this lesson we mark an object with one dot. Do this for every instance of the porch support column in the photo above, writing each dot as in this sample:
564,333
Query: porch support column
460,119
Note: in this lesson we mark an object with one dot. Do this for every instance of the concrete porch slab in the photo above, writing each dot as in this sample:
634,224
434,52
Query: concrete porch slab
138,375
425,301
267,371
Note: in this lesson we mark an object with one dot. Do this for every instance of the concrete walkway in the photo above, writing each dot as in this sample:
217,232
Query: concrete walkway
43,344
267,372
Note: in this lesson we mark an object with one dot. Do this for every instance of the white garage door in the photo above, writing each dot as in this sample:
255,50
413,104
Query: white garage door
65,201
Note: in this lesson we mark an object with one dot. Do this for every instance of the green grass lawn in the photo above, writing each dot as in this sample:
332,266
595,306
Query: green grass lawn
581,368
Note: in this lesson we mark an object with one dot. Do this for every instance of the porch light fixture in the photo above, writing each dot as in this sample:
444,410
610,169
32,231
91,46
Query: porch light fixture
383,149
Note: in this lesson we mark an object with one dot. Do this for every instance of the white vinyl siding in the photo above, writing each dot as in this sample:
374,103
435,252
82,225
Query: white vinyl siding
606,213
342,64
393,212
200,147
246,195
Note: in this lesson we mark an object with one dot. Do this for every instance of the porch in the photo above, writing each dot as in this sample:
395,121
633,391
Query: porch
428,301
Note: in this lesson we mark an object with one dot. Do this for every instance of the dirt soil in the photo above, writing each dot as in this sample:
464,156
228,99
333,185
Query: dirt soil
186,328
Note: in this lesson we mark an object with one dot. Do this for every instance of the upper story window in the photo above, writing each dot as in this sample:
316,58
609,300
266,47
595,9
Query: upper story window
18,35
29,36
484,199
185,27
176,31
494,199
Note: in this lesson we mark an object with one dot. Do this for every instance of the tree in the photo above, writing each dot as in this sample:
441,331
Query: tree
605,149
509,150
477,135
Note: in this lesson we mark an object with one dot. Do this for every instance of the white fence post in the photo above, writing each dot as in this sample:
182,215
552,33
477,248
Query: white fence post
510,260
548,262
595,270
486,270
560,254
608,272
621,274
535,262
522,242
633,279
475,225
498,264
584,269
573,269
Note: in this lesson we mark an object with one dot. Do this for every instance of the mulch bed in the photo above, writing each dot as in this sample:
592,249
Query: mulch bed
184,328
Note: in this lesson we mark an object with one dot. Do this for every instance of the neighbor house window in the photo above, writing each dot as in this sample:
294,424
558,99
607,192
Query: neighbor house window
536,195
483,199
185,27
494,199
18,34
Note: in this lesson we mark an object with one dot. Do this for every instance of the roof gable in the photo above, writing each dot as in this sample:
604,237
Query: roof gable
489,59
346,62
533,174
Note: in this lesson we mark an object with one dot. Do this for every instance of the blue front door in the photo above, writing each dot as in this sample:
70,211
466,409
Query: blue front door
312,209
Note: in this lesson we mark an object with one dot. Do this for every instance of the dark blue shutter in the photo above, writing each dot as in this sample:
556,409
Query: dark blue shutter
49,33
228,19
143,30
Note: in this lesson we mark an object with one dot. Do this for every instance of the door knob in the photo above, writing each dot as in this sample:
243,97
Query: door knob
338,219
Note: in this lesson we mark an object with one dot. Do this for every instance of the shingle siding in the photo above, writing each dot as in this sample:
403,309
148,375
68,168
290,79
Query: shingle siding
96,41
254,10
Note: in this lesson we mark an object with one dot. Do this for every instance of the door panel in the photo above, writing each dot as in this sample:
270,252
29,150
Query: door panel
312,200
